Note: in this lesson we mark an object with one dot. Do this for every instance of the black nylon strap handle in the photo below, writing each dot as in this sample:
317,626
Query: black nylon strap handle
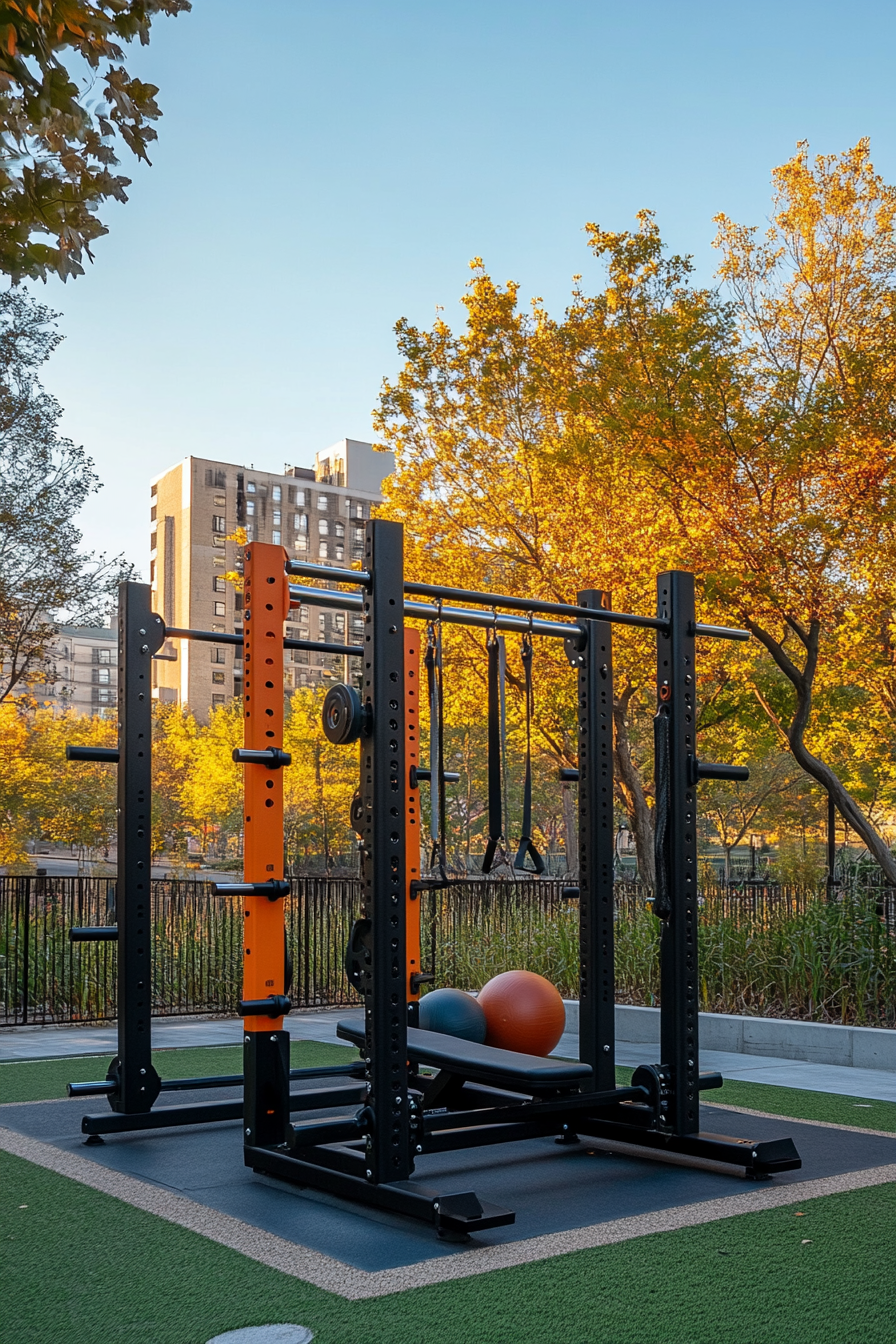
527,845
433,663
494,849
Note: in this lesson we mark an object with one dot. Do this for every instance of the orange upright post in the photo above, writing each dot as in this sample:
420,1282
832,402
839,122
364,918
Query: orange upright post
266,1044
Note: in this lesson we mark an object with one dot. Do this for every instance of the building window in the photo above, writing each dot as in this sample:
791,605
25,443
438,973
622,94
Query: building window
300,522
100,655
250,508
219,655
323,503
153,540
250,488
220,609
220,501
339,529
359,510
152,571
303,615
104,697
217,541
300,498
276,518
102,676
218,678
277,494
218,584
152,514
322,620
323,527
275,537
250,531
340,551
323,551
339,620
219,523
217,700
301,543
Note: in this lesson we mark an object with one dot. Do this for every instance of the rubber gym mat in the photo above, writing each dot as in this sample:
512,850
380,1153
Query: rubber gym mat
551,1188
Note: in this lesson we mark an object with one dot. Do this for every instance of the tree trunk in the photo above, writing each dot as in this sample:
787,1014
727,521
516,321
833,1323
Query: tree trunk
628,780
794,733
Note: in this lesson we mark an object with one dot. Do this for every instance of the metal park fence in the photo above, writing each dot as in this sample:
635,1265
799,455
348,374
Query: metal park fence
764,949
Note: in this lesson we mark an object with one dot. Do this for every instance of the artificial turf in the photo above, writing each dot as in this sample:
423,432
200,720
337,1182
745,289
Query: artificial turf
79,1265
45,1079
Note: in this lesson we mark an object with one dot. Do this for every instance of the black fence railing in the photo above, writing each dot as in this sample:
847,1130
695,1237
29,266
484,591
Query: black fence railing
764,948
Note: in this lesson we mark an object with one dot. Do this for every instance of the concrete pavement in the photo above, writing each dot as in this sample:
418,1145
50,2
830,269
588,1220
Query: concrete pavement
22,1043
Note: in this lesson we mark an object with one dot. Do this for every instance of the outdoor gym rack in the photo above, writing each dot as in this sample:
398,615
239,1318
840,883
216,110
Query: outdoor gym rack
480,1095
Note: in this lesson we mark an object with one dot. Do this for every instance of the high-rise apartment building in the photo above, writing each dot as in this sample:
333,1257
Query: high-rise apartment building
196,506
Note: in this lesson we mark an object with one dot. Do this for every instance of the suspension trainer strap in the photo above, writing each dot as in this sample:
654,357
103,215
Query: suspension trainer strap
527,845
433,662
494,849
443,818
502,695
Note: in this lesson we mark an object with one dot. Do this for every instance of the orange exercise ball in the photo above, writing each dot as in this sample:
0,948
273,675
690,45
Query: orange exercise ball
523,1012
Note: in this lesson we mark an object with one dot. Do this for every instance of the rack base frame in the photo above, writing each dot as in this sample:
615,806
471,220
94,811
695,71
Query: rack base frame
614,1117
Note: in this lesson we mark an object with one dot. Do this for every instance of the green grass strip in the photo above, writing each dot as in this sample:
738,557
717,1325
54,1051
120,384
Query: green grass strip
860,1112
79,1265
45,1079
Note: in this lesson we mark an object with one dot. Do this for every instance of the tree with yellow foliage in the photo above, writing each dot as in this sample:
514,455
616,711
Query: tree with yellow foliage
763,424
746,435
479,426
44,797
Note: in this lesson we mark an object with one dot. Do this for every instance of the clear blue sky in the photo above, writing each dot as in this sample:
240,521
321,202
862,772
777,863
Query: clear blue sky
336,166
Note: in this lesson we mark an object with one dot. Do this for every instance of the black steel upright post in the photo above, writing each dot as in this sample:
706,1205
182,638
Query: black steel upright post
383,788
140,635
676,793
597,999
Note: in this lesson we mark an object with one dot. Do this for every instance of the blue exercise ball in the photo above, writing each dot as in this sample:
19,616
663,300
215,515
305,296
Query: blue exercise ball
454,1013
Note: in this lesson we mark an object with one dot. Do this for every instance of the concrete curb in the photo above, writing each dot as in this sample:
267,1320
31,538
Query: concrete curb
811,1042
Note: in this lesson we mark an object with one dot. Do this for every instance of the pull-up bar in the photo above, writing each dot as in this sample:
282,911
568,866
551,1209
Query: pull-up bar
424,611
565,609
313,646
361,578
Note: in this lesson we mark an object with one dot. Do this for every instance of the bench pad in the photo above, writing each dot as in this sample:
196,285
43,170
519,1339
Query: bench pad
480,1063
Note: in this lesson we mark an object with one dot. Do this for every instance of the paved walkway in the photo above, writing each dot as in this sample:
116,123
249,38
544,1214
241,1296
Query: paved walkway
17,1043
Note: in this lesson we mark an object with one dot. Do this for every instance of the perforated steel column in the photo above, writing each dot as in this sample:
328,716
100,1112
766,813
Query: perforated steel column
265,1043
597,1008
384,789
140,635
677,699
